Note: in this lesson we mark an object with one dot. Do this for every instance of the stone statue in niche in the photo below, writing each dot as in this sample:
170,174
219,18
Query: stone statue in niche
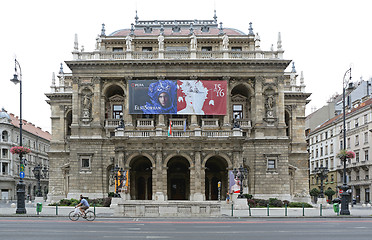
87,105
270,106
161,42
225,42
128,41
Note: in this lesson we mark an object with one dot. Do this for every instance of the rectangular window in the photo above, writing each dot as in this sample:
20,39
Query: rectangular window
348,142
348,126
331,133
356,122
206,49
366,137
85,163
236,49
146,49
117,49
365,155
331,148
356,140
365,119
4,153
4,168
238,111
117,110
271,164
321,151
357,156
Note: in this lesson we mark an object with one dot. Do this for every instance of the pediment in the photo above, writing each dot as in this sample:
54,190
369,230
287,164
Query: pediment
238,98
116,98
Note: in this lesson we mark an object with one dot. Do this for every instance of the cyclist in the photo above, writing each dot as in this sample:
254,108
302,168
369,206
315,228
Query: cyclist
84,205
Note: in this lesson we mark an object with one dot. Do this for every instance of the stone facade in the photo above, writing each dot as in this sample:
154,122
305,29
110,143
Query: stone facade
89,138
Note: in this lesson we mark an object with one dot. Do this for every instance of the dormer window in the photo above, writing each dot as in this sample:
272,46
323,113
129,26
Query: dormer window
148,29
204,28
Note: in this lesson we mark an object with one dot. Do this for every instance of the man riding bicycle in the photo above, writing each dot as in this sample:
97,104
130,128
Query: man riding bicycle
84,205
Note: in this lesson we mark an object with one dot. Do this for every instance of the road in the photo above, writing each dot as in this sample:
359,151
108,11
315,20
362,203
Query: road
58,228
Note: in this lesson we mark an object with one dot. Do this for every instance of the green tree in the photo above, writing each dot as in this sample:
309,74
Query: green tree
315,193
329,192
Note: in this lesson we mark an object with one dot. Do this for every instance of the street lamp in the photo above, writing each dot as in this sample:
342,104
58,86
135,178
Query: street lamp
345,187
240,174
119,179
20,185
322,173
39,173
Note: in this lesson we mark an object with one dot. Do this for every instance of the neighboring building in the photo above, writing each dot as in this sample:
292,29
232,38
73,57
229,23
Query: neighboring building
326,141
35,139
232,105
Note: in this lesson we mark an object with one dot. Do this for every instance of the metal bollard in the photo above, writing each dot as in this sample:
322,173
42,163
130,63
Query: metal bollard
94,209
232,209
303,210
56,209
321,208
268,210
285,212
249,209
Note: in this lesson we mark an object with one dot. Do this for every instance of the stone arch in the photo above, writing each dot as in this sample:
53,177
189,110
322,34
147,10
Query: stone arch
222,155
114,98
140,178
241,101
216,171
178,178
135,155
68,122
166,160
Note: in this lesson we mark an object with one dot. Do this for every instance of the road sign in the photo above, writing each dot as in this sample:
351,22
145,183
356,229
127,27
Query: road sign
22,174
22,168
341,191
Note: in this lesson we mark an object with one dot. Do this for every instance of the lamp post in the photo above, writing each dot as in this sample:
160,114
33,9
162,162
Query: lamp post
119,178
322,173
240,174
21,209
39,173
345,187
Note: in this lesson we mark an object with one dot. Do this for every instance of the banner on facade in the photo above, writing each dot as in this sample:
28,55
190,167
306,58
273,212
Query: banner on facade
185,97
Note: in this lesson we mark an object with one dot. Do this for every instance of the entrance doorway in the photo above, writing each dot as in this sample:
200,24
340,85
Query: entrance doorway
178,179
140,179
216,171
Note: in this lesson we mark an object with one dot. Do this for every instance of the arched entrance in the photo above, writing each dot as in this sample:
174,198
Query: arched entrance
140,179
178,179
216,171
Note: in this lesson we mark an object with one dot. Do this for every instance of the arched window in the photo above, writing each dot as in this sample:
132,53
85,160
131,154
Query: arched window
4,136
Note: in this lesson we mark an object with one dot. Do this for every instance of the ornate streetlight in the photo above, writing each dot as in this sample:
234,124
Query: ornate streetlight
345,187
20,185
119,178
39,173
322,172
241,173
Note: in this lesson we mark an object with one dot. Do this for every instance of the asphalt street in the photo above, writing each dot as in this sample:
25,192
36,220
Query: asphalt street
57,228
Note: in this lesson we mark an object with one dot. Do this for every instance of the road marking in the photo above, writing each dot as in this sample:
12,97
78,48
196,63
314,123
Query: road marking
156,237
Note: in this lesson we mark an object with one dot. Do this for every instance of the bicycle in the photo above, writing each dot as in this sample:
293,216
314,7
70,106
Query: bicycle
89,215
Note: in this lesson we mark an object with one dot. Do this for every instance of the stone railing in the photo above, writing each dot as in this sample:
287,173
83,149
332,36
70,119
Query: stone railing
177,133
145,123
112,123
102,55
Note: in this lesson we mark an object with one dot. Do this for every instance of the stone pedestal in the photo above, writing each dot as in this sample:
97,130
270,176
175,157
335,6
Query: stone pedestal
240,203
159,196
322,201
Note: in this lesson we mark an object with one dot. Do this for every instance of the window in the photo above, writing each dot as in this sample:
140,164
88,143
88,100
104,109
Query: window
365,119
236,49
326,135
366,137
366,175
206,49
348,126
117,110
4,136
357,176
331,133
357,156
356,140
4,168
4,153
332,178
341,145
316,153
85,162
356,122
331,148
365,155
117,49
271,164
348,142
238,111
312,153
146,49
321,151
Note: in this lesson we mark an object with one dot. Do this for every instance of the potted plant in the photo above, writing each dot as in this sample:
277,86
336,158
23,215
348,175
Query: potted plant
343,154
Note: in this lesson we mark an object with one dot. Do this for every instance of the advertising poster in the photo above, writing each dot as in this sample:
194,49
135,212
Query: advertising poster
186,97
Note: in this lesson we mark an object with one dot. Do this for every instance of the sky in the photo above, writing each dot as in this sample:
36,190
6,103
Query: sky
323,38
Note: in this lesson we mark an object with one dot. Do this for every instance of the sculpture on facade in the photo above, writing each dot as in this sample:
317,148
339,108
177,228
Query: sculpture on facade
128,42
257,41
193,42
269,106
225,42
161,42
87,105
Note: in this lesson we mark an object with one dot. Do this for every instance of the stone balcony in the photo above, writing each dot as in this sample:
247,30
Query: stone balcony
157,55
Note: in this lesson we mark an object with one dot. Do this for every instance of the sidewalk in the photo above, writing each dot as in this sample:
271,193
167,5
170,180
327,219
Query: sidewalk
226,211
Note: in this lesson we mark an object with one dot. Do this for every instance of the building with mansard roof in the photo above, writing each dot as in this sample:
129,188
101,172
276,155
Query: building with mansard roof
33,137
178,105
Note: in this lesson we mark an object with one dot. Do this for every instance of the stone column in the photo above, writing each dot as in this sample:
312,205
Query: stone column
128,120
260,107
281,105
198,194
158,175
227,117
